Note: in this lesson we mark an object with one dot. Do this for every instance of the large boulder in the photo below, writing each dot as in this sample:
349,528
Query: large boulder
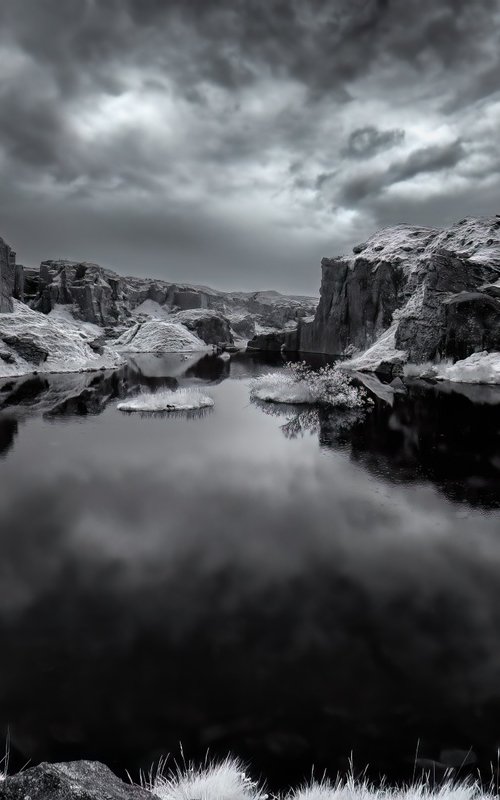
74,780
267,342
434,322
158,336
472,324
243,325
210,326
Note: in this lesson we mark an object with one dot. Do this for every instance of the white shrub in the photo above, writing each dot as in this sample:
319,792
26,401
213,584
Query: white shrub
298,383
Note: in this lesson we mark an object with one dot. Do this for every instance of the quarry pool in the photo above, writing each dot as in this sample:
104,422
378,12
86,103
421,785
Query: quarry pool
286,584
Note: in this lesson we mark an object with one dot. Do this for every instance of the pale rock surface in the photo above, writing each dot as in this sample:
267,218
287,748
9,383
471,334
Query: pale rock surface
31,341
158,336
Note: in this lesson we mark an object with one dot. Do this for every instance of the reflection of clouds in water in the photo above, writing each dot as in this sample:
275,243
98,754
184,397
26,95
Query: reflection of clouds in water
231,594
144,521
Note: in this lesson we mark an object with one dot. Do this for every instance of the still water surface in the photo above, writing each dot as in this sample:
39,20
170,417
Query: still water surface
288,586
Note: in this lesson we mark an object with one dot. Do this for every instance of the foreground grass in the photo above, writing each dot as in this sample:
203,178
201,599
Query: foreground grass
228,780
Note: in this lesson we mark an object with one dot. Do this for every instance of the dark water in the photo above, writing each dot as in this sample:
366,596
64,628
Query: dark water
288,586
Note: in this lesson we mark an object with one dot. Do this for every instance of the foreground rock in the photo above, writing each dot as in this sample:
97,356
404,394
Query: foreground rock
407,294
75,780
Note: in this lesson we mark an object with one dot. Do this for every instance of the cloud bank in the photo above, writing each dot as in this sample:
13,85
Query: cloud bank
234,142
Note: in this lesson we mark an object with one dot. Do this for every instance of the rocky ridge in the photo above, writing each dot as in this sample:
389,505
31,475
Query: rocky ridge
82,300
103,297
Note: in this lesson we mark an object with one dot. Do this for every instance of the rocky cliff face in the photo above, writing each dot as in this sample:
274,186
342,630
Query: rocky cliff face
105,298
11,278
422,293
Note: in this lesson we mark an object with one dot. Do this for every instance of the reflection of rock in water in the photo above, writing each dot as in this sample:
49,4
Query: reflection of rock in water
302,419
8,432
25,391
449,436
432,434
209,368
77,394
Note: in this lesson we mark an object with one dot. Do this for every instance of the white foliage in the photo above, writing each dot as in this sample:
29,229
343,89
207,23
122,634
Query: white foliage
224,781
187,399
66,343
159,336
228,781
298,384
280,387
351,789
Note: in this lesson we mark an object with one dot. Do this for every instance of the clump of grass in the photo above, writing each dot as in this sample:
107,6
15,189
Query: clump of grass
226,780
351,788
187,399
4,761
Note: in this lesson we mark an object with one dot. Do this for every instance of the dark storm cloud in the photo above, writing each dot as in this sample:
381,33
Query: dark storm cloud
367,141
425,160
196,105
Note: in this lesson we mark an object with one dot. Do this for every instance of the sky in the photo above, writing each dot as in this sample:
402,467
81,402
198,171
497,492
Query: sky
235,143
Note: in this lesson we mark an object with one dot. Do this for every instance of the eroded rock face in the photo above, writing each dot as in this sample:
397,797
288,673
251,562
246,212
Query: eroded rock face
97,295
10,277
103,297
356,304
438,290
74,780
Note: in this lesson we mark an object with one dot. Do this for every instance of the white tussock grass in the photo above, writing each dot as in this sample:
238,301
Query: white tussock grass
187,399
228,780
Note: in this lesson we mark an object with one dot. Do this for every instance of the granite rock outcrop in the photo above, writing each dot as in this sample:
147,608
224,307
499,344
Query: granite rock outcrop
409,294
